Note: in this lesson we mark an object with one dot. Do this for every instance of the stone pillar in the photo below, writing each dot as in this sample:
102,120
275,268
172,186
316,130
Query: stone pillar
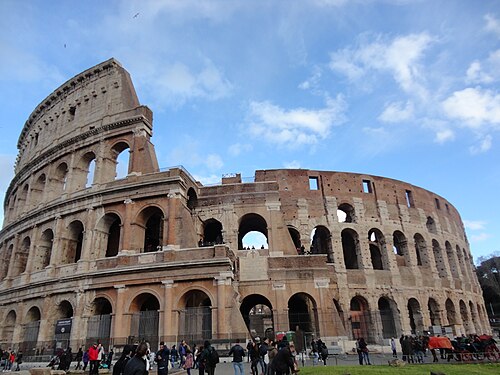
129,227
223,280
168,329
171,221
32,256
119,329
58,243
12,259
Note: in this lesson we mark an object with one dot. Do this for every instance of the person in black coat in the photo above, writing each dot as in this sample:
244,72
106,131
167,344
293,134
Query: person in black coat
138,364
128,352
283,363
162,358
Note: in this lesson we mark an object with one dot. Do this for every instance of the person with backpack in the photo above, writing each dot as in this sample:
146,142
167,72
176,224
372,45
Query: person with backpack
238,354
262,354
162,358
209,358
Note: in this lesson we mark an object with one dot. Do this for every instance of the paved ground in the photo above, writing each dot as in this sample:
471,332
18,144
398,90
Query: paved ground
226,368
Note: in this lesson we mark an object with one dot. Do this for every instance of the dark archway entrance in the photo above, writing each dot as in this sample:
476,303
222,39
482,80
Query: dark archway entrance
257,312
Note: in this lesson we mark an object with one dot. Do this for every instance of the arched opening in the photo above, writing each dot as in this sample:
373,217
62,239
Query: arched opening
107,236
421,250
122,154
145,318
44,250
302,313
60,179
461,263
21,257
465,316
474,319
6,261
400,247
387,317
192,201
434,314
295,236
416,317
350,248
212,233
346,214
153,233
438,258
99,324
321,242
195,324
84,174
378,251
22,203
451,314
64,319
431,225
360,319
74,243
37,190
252,232
8,328
451,260
30,330
257,313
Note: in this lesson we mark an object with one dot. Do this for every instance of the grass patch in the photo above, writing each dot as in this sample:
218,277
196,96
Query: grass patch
448,369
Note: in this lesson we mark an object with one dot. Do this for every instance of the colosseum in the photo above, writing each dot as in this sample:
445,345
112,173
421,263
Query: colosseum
88,255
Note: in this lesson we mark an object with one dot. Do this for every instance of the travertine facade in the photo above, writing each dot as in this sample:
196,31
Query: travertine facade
157,255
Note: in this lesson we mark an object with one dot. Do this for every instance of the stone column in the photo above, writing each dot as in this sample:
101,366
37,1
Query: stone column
119,329
223,280
168,329
12,259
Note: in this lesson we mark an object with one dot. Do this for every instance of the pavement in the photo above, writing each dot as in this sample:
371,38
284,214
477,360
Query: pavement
225,366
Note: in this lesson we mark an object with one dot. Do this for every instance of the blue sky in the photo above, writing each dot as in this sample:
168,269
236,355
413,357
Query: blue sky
402,89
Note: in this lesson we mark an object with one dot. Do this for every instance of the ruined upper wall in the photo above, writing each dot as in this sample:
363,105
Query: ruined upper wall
79,105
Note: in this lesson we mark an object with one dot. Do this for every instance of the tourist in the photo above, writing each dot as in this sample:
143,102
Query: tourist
162,358
127,353
238,353
139,363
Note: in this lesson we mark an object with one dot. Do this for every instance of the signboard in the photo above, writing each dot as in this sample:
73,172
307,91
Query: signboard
64,326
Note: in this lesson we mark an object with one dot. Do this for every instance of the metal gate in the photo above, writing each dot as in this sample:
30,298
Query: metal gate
99,329
144,327
31,330
196,324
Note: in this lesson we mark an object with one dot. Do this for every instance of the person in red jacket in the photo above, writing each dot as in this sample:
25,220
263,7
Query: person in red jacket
94,360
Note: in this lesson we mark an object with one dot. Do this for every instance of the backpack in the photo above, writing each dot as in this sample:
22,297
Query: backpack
213,357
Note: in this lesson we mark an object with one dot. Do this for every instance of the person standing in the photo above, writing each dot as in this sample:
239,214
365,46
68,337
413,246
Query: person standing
85,359
162,358
19,360
138,364
238,354
173,355
393,348
209,357
93,359
363,346
79,357
189,362
283,362
119,366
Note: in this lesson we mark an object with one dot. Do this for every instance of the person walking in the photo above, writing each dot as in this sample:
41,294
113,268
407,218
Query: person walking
85,359
93,359
209,357
189,361
79,357
128,352
162,358
238,354
363,346
19,360
138,364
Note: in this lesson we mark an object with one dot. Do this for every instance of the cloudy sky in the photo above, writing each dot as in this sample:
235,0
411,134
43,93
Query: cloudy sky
405,89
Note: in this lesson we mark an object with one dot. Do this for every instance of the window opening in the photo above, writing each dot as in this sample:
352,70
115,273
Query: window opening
313,183
367,186
438,205
409,199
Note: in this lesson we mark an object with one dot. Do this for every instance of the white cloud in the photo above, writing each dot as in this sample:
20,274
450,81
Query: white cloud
214,162
483,145
480,237
397,112
474,224
476,75
208,180
400,56
492,24
485,72
312,82
294,127
238,148
444,135
294,164
477,108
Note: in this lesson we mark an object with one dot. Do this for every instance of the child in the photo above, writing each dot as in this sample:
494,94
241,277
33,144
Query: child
189,363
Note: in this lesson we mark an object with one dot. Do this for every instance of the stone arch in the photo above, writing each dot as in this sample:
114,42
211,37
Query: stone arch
351,248
195,320
22,199
416,317
212,232
257,312
192,200
451,314
346,213
60,179
145,318
99,323
474,319
431,225
151,218
84,171
6,261
120,152
44,251
251,222
321,242
421,250
302,313
9,325
31,329
37,190
465,316
21,257
451,260
400,247
295,236
438,258
108,235
388,310
378,250
360,318
73,243
434,312
65,310
461,263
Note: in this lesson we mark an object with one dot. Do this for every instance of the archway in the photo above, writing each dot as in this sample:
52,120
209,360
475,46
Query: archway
74,243
387,317
346,214
257,311
63,324
451,260
195,324
192,200
152,217
21,257
253,225
360,318
295,236
302,313
121,153
400,247
434,314
416,317
438,258
145,319
8,328
44,250
421,250
99,324
30,330
465,316
431,225
212,233
451,314
108,235
321,242
350,248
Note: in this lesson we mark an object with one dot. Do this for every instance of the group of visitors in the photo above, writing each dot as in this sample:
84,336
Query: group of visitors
319,350
9,357
363,352
95,355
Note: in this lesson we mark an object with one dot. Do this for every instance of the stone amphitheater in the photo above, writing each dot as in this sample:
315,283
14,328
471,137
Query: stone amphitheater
154,255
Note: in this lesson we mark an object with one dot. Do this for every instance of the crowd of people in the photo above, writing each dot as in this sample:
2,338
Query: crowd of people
8,358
